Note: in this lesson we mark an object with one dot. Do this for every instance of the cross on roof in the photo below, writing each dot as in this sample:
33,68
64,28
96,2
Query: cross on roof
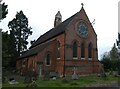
82,4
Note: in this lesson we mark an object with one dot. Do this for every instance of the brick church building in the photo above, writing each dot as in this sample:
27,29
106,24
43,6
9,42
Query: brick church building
70,45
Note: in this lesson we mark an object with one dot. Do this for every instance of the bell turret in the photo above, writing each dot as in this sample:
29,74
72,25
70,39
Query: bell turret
58,19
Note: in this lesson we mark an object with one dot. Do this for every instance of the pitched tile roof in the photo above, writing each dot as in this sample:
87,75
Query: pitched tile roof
34,49
53,32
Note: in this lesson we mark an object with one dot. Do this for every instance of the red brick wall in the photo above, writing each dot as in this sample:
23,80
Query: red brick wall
84,66
60,62
18,64
30,63
71,36
56,64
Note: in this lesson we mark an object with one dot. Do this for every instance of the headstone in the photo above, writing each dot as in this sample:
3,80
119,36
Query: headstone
74,76
12,81
54,78
53,74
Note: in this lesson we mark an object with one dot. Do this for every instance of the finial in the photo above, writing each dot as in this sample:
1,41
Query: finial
82,4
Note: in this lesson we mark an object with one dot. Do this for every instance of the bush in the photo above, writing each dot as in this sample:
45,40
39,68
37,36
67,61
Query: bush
29,76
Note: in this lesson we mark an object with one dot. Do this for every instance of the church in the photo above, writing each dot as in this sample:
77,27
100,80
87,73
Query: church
69,46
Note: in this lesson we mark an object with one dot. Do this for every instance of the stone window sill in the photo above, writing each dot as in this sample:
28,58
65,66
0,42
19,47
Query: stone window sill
58,58
89,58
83,58
75,58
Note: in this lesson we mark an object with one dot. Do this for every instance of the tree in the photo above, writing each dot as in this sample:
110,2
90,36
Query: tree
114,53
12,49
20,32
5,47
8,50
106,61
4,9
114,58
110,59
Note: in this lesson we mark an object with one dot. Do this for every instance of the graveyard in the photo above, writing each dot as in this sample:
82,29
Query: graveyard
82,81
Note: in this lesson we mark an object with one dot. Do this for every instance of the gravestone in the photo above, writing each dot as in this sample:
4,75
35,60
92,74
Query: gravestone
74,76
12,81
53,74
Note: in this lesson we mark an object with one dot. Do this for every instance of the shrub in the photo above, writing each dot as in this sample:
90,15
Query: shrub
29,76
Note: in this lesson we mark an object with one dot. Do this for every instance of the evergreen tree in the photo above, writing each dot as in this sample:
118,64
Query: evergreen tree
114,53
9,53
5,37
106,61
114,58
5,51
110,59
4,10
20,31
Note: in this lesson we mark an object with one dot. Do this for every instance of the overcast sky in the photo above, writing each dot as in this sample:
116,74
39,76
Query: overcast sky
41,14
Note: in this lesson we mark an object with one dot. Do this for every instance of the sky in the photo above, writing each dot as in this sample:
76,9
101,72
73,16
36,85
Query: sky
41,15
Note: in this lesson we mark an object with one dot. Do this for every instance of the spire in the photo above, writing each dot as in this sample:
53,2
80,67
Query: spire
58,19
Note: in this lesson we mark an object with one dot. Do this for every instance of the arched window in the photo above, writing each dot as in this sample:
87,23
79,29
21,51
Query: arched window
58,50
74,50
48,59
90,50
82,50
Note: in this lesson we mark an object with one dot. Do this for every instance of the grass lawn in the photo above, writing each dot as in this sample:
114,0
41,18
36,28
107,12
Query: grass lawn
83,81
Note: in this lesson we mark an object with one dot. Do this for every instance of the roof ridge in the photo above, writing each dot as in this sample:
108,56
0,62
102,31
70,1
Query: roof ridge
56,30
